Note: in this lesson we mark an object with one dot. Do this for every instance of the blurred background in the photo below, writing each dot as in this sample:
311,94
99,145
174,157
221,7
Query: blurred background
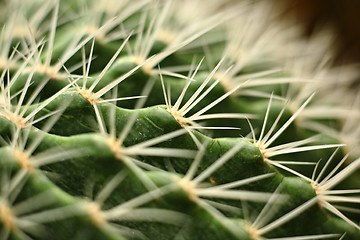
341,16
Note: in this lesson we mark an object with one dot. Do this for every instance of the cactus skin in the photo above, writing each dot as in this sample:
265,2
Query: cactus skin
79,162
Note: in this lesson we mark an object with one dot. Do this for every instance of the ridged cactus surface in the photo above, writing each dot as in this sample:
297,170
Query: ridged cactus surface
172,120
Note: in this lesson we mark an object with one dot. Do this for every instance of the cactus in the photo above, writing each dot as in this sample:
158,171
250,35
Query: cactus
172,120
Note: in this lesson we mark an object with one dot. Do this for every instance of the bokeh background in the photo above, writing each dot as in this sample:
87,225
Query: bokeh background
342,17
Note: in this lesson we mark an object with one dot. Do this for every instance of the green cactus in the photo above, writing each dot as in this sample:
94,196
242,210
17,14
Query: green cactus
172,120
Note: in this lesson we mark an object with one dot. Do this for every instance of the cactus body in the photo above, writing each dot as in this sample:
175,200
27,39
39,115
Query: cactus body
170,120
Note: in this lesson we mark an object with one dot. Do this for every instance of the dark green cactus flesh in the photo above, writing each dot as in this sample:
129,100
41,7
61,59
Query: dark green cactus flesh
172,120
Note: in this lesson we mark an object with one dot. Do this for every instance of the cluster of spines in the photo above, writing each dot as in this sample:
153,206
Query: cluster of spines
118,167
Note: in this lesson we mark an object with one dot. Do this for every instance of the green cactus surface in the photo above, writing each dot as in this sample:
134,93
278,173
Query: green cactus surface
154,119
